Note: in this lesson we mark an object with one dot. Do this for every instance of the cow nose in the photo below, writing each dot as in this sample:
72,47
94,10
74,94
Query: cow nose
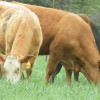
11,80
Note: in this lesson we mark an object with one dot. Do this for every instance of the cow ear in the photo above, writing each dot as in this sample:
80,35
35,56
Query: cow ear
2,57
29,58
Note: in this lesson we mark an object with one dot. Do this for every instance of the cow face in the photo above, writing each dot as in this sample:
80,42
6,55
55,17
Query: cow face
92,72
13,68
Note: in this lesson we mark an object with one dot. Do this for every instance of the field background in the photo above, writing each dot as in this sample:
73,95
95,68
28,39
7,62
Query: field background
38,90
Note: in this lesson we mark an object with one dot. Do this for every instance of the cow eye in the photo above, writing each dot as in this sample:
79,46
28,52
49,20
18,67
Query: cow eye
17,71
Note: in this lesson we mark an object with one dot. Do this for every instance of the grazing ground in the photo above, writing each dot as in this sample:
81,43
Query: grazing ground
38,90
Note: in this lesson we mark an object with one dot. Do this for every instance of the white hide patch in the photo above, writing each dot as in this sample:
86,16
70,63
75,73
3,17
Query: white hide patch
12,68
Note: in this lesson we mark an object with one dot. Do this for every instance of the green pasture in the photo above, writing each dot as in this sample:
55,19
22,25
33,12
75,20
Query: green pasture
38,90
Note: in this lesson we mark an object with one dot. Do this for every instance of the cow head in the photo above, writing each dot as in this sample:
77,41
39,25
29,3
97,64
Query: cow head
12,66
92,72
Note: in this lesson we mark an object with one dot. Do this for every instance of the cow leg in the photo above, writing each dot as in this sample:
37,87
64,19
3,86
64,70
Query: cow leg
68,75
29,72
59,66
22,69
76,72
51,67
76,75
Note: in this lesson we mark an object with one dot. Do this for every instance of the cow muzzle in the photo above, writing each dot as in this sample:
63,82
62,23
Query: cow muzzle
12,77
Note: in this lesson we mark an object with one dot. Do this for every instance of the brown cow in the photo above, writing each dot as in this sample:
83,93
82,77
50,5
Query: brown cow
20,38
97,38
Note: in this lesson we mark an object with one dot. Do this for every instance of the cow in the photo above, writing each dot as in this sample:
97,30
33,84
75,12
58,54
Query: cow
97,38
20,39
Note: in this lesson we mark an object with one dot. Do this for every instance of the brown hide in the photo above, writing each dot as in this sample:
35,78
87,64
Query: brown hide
70,42
20,32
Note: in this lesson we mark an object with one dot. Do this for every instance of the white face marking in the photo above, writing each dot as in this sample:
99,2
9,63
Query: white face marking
12,68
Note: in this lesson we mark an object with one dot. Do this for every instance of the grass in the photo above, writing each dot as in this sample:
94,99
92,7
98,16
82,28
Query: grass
38,90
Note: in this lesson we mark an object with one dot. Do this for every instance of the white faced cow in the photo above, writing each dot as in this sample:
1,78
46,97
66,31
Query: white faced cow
21,31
